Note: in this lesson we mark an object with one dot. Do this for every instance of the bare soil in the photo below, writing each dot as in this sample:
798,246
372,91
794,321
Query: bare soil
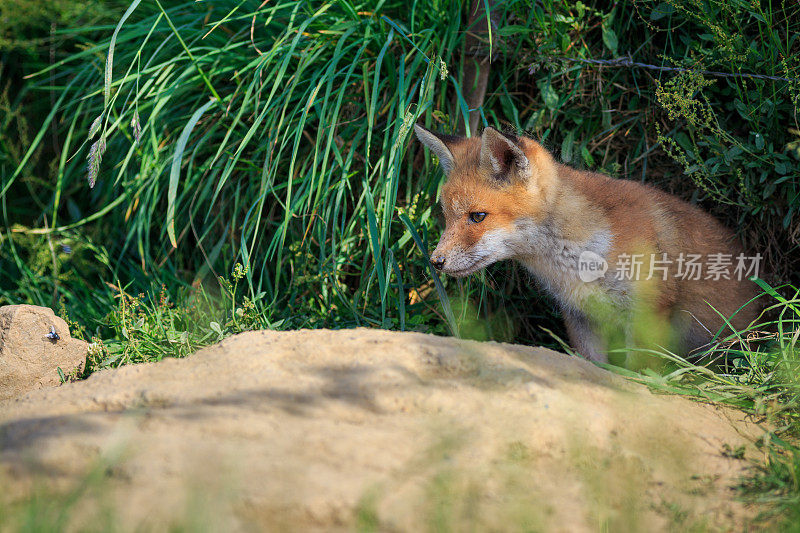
375,430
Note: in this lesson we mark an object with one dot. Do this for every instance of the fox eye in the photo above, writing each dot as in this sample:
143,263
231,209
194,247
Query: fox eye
477,217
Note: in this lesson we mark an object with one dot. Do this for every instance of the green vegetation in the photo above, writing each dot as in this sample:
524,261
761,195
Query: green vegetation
252,166
758,371
277,137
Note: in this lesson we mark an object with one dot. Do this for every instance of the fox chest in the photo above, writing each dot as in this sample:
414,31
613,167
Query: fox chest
577,275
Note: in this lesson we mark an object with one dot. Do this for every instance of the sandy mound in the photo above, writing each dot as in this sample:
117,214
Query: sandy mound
377,430
29,359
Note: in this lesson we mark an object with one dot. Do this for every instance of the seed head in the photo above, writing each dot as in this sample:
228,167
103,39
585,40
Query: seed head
95,127
95,157
137,127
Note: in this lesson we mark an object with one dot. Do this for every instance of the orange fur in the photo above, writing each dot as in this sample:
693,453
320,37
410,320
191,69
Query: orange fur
544,214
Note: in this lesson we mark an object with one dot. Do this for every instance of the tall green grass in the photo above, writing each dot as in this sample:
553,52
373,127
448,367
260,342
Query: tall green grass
271,136
278,136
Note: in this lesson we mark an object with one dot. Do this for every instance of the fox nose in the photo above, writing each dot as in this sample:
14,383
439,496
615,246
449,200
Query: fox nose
437,261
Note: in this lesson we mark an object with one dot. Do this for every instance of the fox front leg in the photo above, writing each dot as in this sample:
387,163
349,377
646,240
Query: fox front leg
582,339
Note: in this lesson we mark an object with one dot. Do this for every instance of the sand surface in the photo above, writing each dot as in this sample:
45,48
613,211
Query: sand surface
375,430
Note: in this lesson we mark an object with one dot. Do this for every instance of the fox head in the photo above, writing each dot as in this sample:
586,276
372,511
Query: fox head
498,188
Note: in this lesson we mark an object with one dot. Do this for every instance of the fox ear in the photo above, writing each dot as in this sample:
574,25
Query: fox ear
436,143
501,155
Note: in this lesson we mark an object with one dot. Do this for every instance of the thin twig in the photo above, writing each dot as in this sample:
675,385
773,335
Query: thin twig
628,62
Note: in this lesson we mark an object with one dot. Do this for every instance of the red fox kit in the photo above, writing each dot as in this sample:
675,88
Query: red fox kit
628,265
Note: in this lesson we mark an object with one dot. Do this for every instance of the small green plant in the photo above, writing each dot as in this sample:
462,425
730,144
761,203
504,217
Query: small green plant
149,327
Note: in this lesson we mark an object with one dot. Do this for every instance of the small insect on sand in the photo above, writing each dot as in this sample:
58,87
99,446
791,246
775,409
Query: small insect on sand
53,336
